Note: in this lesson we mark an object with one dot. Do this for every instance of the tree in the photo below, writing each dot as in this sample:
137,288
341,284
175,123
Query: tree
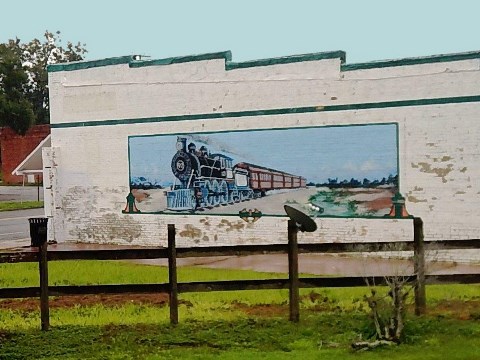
16,111
388,310
25,64
36,55
388,305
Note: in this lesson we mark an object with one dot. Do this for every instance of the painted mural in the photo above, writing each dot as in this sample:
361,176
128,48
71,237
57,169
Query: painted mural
344,171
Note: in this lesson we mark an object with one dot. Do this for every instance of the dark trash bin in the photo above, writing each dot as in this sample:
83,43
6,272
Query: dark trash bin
38,231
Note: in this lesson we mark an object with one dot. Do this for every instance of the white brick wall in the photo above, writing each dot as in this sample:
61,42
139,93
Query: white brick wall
438,144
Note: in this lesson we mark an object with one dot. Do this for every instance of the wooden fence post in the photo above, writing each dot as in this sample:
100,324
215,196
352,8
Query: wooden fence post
172,275
419,267
43,268
294,295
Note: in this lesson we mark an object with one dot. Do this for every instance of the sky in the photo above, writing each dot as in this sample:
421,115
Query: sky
314,153
366,30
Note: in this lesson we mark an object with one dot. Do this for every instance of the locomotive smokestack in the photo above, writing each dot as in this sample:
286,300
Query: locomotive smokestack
181,143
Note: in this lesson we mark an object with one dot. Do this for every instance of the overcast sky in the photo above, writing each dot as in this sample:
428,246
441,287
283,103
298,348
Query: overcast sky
252,29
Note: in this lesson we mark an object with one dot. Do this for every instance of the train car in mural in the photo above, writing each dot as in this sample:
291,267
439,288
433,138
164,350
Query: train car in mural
205,180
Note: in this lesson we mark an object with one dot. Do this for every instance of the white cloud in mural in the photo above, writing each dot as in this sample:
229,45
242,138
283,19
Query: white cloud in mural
366,166
370,165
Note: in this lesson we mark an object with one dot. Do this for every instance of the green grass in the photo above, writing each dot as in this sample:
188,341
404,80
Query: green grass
317,336
17,205
221,325
88,272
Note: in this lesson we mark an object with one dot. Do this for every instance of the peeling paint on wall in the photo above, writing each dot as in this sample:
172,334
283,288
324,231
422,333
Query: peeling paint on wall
427,168
109,228
190,231
205,222
443,159
232,225
413,199
363,231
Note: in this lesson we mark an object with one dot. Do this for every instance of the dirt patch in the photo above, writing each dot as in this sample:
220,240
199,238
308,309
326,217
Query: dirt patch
315,302
373,200
379,203
140,195
263,310
116,300
458,309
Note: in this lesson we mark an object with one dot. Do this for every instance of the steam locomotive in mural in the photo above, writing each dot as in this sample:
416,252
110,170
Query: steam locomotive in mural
207,180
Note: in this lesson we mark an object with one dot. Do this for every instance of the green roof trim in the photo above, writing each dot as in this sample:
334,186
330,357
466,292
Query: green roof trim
270,112
82,65
230,65
287,60
412,61
227,55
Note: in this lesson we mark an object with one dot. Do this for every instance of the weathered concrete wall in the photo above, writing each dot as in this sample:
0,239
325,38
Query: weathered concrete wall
94,110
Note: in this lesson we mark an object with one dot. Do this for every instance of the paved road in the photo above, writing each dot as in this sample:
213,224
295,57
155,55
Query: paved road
20,193
14,228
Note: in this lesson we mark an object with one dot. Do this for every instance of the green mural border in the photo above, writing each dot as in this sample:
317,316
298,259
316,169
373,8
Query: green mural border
397,135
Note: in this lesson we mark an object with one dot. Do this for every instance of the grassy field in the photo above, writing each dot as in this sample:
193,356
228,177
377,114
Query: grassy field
17,205
220,325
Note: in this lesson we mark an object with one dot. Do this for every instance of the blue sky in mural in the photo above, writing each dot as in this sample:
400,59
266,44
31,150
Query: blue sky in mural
315,153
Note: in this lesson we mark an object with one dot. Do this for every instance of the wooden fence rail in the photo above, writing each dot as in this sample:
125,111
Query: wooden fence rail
173,288
239,250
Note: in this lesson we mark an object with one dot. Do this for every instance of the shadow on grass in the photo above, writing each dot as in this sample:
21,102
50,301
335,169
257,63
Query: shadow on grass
207,337
317,335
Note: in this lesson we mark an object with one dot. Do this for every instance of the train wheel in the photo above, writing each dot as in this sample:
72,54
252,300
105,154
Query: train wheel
223,189
234,196
244,195
204,197
209,194
216,193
